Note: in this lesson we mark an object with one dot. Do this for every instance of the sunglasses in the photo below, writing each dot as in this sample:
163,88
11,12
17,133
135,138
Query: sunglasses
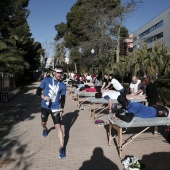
59,72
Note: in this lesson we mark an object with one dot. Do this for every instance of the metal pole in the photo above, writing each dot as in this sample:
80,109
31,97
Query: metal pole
92,51
92,63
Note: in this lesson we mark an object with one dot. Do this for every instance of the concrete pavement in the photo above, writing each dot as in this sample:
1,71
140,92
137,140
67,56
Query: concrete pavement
86,143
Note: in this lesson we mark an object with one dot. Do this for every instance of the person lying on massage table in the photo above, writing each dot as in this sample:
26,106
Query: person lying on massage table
112,94
85,85
130,109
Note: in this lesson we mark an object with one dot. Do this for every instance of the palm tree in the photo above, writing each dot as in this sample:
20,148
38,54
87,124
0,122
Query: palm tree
161,54
142,57
121,67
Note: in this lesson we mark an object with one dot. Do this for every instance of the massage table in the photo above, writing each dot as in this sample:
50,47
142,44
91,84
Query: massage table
71,92
146,123
98,110
82,96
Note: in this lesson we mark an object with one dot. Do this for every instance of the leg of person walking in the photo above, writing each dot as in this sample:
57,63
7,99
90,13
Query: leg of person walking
57,122
44,117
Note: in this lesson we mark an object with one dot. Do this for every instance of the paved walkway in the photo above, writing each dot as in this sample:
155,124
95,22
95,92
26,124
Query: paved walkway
86,143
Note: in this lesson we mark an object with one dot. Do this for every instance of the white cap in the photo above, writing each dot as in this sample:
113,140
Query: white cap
59,70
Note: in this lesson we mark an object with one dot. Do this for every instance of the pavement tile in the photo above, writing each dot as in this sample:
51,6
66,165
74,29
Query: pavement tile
86,143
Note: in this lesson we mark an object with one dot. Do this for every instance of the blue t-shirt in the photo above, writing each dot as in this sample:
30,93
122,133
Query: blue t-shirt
53,89
141,110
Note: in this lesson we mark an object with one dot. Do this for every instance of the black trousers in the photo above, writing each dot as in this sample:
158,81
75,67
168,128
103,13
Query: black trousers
161,111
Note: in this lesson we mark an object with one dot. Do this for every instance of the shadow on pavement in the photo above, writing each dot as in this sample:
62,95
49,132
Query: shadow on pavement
68,121
23,107
98,161
156,161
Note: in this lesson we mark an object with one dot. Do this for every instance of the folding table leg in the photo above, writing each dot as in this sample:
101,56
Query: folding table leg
110,133
119,130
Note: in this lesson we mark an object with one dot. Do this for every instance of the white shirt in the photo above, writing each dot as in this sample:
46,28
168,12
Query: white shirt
135,86
111,94
72,75
116,84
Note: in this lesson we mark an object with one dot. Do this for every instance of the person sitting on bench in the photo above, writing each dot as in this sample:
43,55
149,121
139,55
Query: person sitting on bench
130,109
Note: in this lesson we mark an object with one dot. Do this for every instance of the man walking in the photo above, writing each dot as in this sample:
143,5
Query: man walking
52,91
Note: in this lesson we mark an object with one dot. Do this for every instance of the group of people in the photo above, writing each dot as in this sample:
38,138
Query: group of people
52,91
144,88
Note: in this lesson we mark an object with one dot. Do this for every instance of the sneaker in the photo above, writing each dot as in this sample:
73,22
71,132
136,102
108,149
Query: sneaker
133,160
136,166
45,133
62,153
125,162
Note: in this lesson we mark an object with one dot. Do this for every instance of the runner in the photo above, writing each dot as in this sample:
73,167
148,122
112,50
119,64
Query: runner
52,91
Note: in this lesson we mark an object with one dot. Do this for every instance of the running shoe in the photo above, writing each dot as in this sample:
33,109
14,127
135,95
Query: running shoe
62,153
137,166
45,133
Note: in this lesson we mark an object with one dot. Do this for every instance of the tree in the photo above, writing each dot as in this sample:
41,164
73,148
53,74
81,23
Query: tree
18,51
161,54
60,53
86,22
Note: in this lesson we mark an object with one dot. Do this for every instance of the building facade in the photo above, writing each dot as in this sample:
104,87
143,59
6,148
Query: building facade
156,30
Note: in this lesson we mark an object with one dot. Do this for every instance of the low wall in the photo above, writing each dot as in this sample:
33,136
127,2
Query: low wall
5,97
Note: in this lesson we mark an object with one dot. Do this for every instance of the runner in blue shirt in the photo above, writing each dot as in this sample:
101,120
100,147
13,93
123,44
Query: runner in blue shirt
52,91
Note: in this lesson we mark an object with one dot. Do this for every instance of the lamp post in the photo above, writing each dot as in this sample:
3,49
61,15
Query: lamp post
92,51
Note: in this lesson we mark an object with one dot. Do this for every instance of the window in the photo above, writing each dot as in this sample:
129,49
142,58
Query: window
159,24
155,37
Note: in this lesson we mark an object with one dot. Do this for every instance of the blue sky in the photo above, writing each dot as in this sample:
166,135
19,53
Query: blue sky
45,14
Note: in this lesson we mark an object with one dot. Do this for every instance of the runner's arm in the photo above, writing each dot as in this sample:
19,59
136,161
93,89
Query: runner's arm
39,91
63,98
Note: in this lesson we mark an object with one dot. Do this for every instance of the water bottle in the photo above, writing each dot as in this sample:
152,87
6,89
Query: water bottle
47,103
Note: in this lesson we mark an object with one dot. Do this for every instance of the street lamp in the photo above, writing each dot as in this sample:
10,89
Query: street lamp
92,51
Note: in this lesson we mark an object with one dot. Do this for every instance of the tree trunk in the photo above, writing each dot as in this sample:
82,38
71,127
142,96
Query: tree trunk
118,42
75,66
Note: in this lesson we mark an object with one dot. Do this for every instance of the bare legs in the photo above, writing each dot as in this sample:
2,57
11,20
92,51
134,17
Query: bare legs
60,134
44,125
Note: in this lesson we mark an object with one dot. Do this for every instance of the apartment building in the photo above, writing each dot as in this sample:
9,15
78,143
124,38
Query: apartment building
156,30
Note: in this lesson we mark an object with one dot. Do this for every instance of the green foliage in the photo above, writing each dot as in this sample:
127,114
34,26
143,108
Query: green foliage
165,83
147,63
126,87
19,53
164,94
